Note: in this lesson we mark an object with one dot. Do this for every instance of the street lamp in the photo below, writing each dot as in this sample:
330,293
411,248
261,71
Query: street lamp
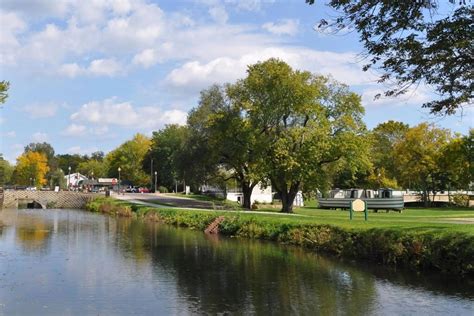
156,173
69,178
119,169
31,182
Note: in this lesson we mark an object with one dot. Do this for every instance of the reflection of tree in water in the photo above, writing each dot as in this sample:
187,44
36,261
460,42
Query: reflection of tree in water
220,275
134,242
432,281
34,237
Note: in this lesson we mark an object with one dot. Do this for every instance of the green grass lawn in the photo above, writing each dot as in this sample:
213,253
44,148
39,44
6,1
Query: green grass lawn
417,220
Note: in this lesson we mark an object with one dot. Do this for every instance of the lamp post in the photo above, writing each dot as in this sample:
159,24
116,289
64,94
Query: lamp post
31,182
119,169
69,178
156,173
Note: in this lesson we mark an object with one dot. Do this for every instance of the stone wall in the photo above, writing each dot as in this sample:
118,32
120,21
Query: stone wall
49,199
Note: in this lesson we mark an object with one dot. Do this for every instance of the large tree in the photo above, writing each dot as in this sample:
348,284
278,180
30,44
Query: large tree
65,161
93,168
383,139
166,150
417,158
31,167
6,171
203,167
304,122
234,141
414,42
129,158
456,163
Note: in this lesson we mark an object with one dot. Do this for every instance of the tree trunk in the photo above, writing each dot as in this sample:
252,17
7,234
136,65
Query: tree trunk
247,189
426,198
287,199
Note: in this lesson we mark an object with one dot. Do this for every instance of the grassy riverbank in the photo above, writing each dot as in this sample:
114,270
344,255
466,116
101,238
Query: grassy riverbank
419,239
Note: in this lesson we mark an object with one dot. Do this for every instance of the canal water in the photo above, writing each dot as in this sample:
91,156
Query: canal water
70,262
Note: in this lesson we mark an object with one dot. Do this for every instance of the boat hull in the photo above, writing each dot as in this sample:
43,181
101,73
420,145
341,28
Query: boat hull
394,203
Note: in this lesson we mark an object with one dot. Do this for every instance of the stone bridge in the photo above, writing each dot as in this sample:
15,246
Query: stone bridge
46,199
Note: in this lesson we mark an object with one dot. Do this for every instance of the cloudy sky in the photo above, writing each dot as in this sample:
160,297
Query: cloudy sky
87,75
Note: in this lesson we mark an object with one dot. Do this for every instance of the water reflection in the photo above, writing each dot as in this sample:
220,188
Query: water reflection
73,261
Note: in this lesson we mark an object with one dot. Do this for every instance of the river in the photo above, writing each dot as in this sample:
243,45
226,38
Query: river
71,262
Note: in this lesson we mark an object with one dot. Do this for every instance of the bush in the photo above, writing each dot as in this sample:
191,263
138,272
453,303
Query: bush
459,199
163,189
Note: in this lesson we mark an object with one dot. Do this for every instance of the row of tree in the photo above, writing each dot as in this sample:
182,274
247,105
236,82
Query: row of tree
297,131
278,126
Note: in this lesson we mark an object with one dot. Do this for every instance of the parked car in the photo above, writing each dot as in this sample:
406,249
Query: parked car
143,190
131,189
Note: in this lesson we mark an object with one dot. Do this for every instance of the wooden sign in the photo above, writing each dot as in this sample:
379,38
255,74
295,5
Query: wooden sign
358,205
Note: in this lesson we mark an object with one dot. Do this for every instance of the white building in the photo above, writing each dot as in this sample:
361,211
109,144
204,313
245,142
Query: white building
73,180
260,195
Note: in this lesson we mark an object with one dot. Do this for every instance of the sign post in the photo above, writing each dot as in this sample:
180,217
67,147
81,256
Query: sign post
359,205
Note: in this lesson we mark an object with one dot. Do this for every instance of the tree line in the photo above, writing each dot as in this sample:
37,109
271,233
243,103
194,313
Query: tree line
278,126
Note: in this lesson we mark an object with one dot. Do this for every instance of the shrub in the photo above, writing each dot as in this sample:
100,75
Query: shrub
163,189
459,199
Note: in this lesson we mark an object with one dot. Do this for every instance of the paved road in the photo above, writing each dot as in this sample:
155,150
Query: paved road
167,201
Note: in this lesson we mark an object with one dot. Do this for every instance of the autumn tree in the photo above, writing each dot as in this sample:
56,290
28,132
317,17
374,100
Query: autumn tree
412,43
31,167
129,157
304,122
417,158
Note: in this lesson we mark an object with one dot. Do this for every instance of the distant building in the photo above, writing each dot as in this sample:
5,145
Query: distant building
74,180
260,195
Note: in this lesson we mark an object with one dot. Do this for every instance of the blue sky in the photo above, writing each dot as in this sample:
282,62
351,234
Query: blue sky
87,75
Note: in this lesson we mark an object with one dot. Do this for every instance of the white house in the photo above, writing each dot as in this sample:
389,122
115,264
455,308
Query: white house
261,195
73,180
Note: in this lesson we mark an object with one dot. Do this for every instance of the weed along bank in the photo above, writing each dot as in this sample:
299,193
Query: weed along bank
420,240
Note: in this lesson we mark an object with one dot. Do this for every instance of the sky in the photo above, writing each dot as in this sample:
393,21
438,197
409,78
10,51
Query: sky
88,75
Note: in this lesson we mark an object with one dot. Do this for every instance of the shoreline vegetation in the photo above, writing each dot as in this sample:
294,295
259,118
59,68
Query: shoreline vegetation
448,248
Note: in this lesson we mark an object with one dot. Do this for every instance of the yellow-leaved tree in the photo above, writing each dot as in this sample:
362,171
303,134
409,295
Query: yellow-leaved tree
31,168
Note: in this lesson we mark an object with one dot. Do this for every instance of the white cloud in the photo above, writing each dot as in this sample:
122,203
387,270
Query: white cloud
10,134
39,110
282,27
104,67
70,70
12,26
219,14
81,151
74,130
416,96
112,112
195,75
97,67
39,137
146,58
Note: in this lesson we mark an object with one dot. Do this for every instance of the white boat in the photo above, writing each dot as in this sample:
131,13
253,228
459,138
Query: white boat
381,199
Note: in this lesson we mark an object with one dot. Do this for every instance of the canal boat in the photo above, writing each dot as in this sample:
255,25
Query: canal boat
381,199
